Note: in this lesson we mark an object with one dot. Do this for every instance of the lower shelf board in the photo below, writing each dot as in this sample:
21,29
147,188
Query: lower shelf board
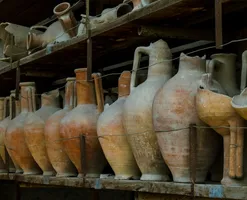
200,190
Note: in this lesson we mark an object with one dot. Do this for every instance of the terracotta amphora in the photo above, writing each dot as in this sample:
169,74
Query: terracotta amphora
216,110
15,139
108,15
34,130
54,144
79,127
224,71
11,109
174,110
112,135
52,34
137,4
239,102
137,115
66,17
19,34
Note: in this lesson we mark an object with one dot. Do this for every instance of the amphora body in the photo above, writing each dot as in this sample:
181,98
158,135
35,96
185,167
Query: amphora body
34,130
137,114
15,139
54,144
79,128
112,135
174,110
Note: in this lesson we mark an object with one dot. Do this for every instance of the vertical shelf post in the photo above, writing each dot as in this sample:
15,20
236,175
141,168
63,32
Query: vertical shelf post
89,43
218,24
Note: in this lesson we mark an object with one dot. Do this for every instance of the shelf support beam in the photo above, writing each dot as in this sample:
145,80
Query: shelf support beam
89,43
218,24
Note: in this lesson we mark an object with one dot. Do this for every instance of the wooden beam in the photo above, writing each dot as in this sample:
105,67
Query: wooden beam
218,24
173,32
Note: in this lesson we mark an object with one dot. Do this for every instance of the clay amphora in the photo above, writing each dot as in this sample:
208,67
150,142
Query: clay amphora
215,109
15,131
239,102
34,130
53,33
137,113
81,122
224,71
173,112
137,4
11,109
19,34
108,15
112,135
66,18
54,144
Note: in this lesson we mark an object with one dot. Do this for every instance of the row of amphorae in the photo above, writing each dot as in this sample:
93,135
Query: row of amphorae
144,133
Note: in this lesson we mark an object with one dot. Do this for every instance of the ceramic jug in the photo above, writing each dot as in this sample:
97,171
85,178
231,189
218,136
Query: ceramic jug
11,109
54,144
215,109
112,136
108,15
239,102
137,4
137,114
79,127
66,18
174,110
18,33
34,130
147,2
53,33
224,71
15,140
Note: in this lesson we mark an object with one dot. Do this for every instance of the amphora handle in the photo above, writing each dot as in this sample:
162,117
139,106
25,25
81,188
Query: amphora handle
99,91
244,71
136,64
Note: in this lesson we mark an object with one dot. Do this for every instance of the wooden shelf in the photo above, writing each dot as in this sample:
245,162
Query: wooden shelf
201,190
119,34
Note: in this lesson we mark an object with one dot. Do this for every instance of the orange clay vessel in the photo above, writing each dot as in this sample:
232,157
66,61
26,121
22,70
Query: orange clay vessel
112,135
15,132
215,109
54,144
34,130
79,127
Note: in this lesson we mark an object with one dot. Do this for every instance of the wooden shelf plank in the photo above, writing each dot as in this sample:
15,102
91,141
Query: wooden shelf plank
201,190
159,10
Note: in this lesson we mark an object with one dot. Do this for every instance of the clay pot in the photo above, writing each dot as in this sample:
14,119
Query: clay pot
34,130
11,109
216,110
53,33
19,34
54,144
15,140
137,113
66,18
137,4
224,71
112,134
174,110
81,122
